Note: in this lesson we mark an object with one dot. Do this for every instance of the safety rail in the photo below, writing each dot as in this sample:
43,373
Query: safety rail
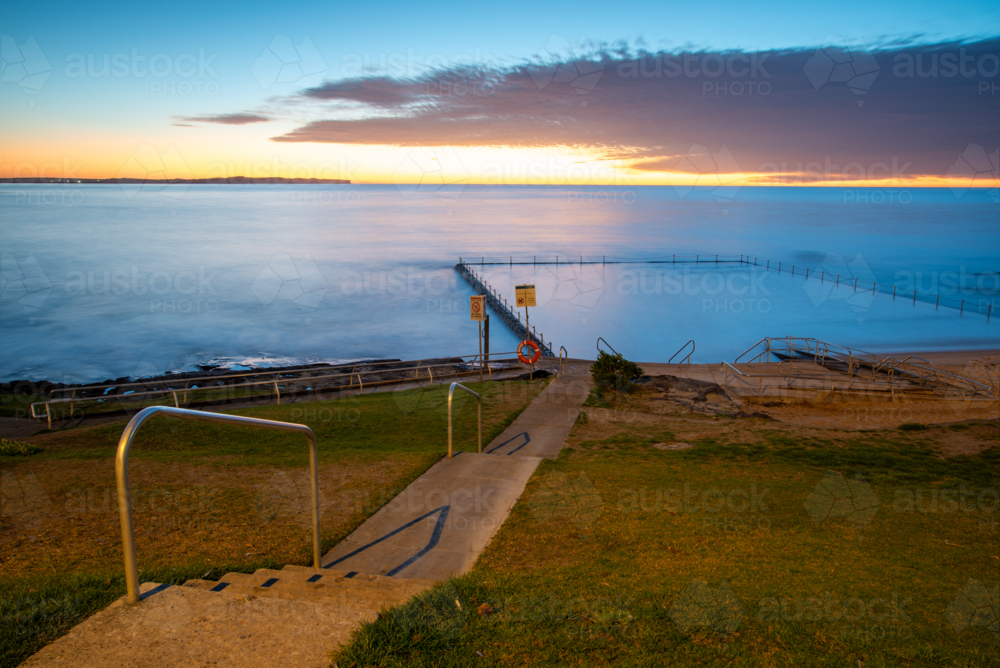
245,374
875,372
125,493
173,392
479,400
686,359
601,338
563,360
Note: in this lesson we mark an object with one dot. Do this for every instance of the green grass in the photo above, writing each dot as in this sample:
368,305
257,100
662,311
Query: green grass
39,607
618,554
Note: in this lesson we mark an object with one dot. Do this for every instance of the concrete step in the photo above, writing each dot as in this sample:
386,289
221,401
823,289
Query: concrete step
309,570
179,627
357,596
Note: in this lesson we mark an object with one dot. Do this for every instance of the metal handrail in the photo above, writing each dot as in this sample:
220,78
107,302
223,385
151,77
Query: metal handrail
562,349
125,494
197,379
766,340
688,358
601,338
272,382
479,399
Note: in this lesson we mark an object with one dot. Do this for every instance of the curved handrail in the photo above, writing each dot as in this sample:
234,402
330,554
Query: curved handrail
601,338
125,494
479,399
688,358
562,349
766,339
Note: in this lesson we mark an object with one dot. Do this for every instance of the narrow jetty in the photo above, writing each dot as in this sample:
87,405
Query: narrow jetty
504,310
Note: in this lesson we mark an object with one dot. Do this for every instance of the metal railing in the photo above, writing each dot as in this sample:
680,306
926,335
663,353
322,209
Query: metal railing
841,364
563,360
686,359
479,400
601,338
271,382
125,494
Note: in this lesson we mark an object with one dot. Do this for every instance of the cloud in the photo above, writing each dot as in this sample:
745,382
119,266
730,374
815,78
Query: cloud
648,108
226,119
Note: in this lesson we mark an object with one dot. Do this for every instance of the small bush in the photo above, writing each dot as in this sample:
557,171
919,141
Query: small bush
913,426
11,448
615,371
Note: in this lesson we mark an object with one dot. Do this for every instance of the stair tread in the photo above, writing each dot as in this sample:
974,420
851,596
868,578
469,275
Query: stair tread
371,578
359,586
360,607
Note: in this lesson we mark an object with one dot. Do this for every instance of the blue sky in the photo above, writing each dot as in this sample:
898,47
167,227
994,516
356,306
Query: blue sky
74,117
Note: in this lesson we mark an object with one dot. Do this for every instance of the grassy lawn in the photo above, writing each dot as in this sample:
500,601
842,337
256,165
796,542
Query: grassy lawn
762,544
210,499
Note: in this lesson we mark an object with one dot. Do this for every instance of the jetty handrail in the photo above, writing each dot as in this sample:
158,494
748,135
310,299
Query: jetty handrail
688,358
503,309
601,338
479,400
562,360
125,495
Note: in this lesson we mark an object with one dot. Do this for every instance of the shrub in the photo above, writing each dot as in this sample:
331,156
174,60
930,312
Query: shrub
8,447
615,371
912,426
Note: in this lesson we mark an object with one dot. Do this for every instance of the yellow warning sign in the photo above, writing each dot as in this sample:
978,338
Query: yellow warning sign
477,307
524,295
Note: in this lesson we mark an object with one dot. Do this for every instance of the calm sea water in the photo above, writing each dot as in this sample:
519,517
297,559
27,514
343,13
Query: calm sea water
100,281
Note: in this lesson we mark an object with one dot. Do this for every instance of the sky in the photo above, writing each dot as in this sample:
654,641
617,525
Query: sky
824,93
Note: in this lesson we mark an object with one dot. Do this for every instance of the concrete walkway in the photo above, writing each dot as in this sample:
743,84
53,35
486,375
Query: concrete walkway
438,526
295,617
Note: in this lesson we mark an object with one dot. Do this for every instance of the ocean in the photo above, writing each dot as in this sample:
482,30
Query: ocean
105,281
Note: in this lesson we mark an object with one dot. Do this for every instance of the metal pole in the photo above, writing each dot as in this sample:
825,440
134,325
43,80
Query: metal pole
480,351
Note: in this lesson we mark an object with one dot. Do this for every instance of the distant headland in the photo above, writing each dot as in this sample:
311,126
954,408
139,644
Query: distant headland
225,180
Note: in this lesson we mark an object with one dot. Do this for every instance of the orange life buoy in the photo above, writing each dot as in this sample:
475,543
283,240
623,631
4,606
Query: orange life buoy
534,347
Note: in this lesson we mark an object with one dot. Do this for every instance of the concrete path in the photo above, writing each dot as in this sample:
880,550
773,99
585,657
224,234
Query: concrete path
541,429
439,525
434,529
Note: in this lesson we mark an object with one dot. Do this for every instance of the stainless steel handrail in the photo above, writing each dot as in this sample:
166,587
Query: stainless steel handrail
479,399
601,338
272,382
764,340
688,358
562,360
125,494
279,372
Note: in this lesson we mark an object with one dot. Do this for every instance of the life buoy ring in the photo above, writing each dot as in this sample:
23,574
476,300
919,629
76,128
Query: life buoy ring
534,347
